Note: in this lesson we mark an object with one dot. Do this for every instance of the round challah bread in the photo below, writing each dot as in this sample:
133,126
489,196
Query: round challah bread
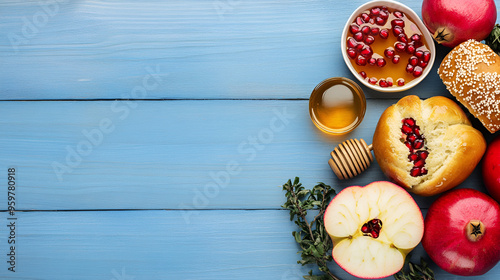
427,146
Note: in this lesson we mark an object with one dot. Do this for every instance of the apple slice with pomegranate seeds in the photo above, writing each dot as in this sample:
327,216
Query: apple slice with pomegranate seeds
373,228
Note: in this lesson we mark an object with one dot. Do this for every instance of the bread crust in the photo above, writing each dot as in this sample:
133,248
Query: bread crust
471,73
454,146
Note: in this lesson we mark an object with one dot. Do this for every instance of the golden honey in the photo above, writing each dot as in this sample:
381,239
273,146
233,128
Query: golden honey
337,105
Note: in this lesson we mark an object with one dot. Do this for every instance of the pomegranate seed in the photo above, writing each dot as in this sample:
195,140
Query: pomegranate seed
366,51
397,30
365,17
366,30
398,22
423,171
427,56
381,62
373,80
359,21
406,129
419,163
423,154
412,157
409,121
354,28
414,172
375,11
375,221
422,64
418,144
380,21
363,74
410,49
375,31
403,38
389,82
389,53
413,60
358,36
384,13
398,14
409,68
372,61
372,21
416,130
412,137
369,40
352,53
364,229
383,83
359,46
384,33
401,82
396,59
417,71
419,53
415,38
361,61
400,46
374,234
351,43
409,146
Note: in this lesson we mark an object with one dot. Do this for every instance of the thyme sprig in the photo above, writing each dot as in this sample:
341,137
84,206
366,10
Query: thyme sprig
315,244
493,40
415,271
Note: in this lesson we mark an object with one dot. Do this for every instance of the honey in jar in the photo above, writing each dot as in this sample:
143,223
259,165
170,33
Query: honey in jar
337,105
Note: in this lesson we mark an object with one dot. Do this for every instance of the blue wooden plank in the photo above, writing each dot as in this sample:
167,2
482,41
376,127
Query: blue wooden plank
169,154
153,245
202,49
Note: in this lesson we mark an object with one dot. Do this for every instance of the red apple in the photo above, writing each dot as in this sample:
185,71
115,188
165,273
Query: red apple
462,232
373,228
491,168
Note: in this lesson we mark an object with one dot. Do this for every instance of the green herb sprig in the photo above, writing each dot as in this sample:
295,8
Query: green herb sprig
415,271
315,244
493,40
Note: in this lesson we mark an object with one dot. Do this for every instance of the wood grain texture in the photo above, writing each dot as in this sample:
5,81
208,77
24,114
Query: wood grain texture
157,245
150,138
169,154
204,49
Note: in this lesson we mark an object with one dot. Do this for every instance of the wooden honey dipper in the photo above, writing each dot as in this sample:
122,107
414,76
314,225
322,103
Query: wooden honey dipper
350,158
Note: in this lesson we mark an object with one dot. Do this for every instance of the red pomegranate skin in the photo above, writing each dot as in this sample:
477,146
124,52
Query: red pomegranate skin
491,169
445,239
460,19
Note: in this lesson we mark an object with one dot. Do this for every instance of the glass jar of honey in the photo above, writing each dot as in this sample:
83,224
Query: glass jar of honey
337,105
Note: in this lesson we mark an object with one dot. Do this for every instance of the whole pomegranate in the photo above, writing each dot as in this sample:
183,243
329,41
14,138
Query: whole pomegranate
491,168
455,21
462,232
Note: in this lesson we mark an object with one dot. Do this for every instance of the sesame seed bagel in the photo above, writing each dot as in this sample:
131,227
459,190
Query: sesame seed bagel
471,72
450,151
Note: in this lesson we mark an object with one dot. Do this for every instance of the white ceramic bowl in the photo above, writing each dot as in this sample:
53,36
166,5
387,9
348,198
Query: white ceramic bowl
418,22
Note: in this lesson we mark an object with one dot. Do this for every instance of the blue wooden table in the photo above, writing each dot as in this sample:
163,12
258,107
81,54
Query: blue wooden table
150,138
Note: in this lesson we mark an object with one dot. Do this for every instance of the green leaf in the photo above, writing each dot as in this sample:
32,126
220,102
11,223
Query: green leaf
493,40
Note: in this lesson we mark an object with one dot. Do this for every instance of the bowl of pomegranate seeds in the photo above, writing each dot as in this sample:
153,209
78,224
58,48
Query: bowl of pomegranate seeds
387,47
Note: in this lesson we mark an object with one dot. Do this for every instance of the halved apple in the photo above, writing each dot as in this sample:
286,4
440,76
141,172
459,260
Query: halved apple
373,228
